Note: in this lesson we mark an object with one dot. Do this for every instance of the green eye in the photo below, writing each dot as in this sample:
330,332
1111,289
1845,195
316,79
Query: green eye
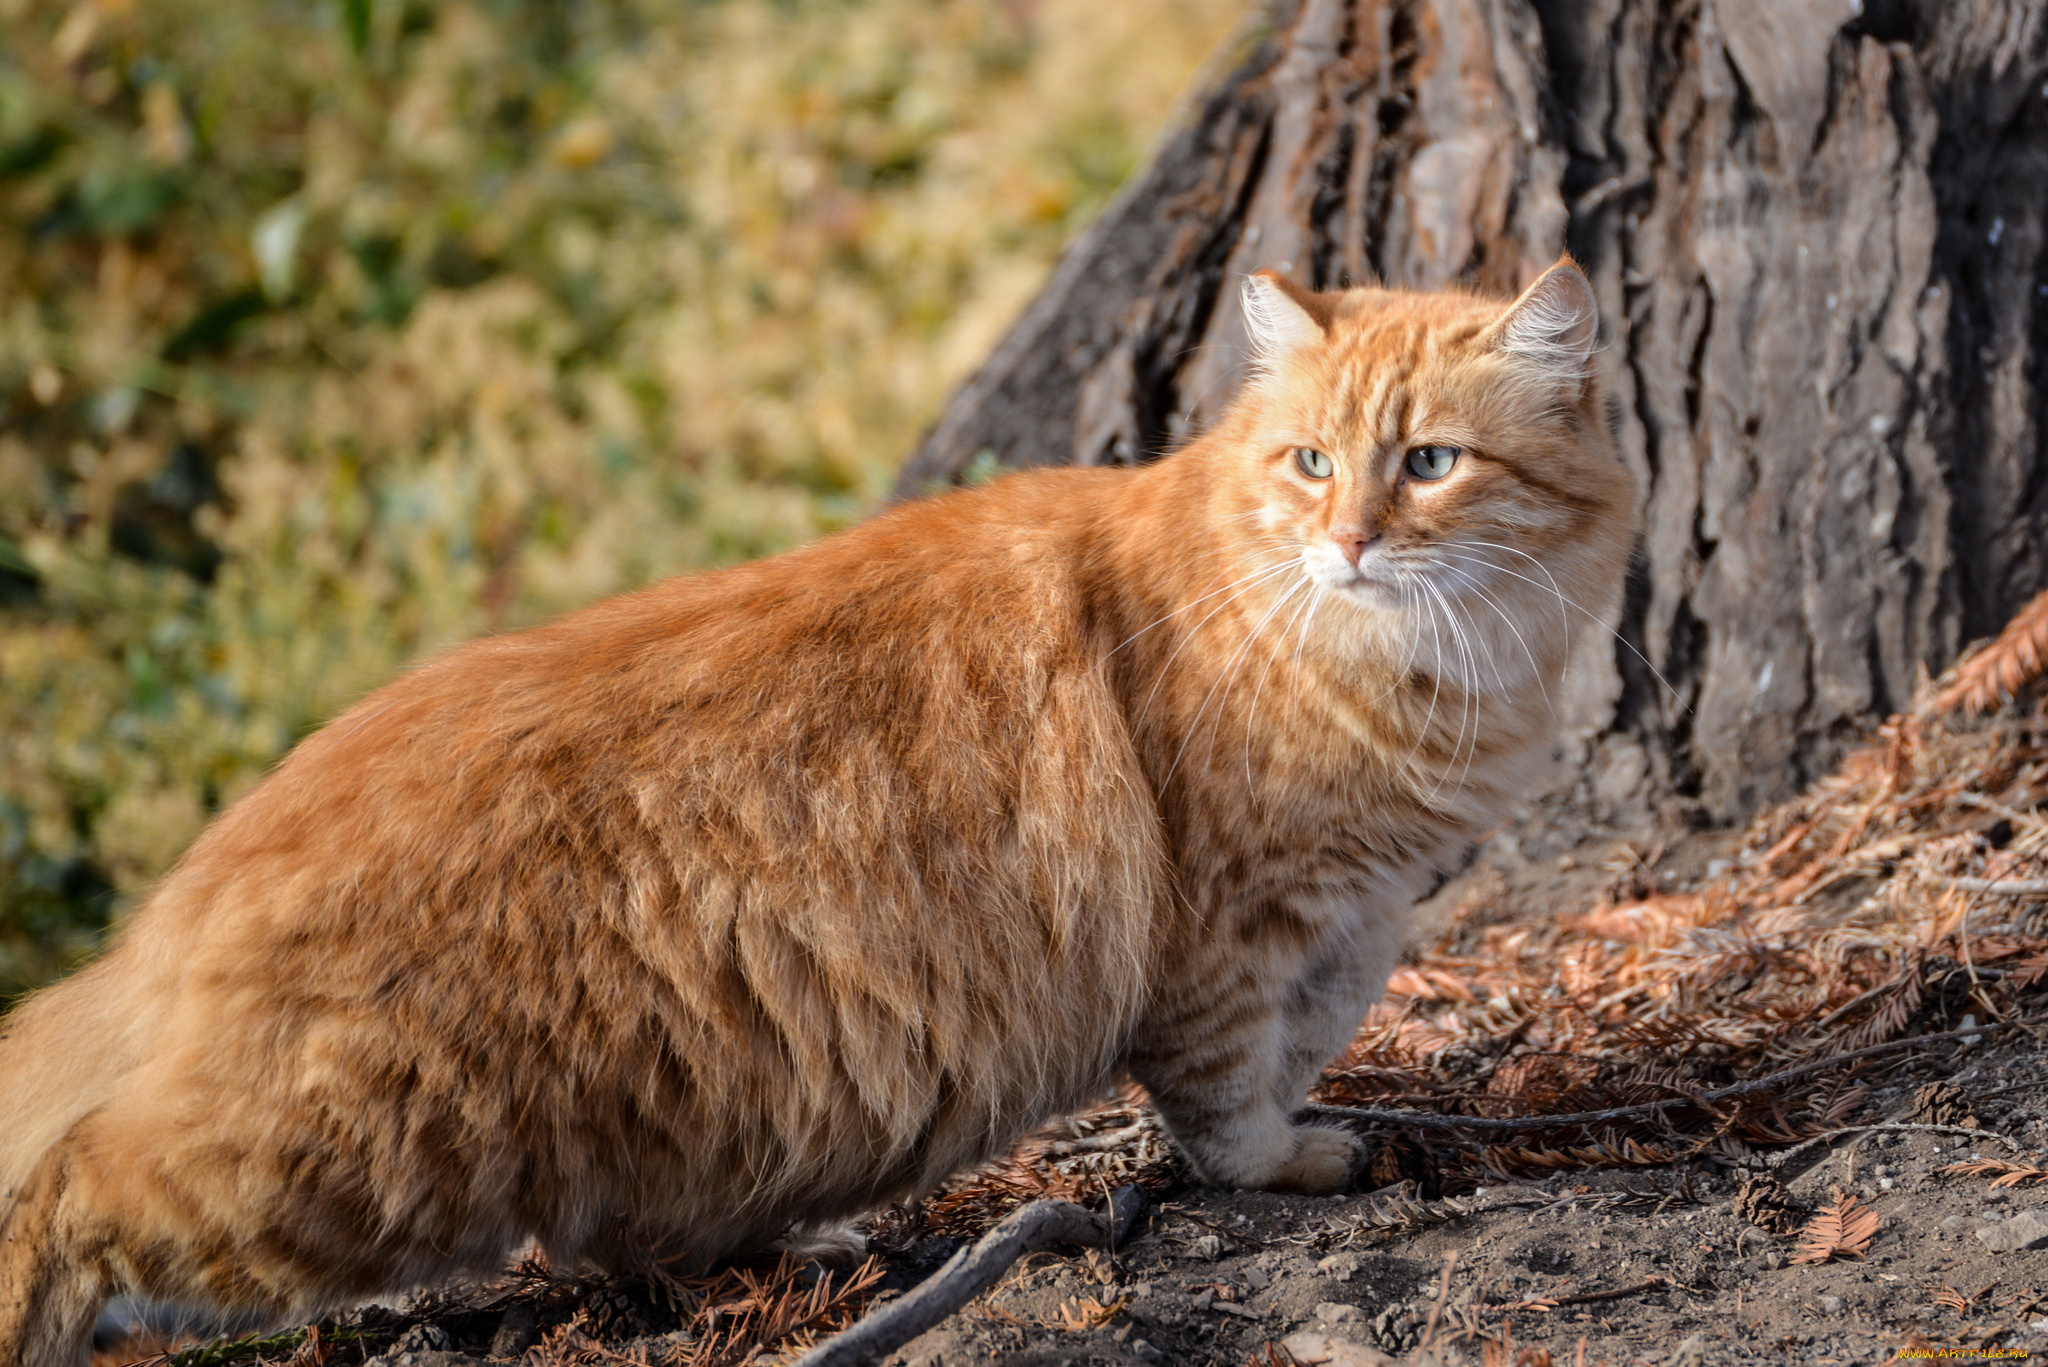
1312,462
1432,462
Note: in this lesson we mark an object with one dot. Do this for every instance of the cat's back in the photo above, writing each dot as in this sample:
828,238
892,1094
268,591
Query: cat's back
928,661
890,756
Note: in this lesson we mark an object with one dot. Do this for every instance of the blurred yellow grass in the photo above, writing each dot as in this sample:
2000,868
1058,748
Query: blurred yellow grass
332,333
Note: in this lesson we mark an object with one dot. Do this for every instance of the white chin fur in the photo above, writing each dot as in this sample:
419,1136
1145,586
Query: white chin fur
1457,631
1366,584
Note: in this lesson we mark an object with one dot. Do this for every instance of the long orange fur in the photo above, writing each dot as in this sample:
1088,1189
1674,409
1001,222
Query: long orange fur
724,911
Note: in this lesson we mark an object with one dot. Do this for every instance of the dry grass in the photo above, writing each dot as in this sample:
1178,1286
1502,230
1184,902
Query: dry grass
2004,666
334,333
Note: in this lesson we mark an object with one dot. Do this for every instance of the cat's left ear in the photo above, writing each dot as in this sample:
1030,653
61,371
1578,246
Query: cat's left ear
1553,326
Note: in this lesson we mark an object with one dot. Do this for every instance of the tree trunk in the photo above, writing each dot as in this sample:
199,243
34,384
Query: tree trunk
1817,231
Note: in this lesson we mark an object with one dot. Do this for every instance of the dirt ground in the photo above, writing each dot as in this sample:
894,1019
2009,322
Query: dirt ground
1696,1281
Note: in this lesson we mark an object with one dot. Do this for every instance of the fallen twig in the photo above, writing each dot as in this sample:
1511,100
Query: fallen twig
1443,1290
1183,1213
1430,1120
1096,1143
1783,1156
1398,1207
1584,1298
972,1271
2005,887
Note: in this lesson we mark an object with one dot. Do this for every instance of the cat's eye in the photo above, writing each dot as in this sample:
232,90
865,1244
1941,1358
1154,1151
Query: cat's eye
1432,462
1313,463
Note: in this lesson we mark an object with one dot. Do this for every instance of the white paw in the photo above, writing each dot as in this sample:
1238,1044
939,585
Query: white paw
1323,1162
834,1245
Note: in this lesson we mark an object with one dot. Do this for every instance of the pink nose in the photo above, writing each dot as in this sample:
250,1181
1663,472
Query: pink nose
1352,543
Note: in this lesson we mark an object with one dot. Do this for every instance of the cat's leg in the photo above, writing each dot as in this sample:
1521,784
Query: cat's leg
51,1282
1322,1017
1215,1064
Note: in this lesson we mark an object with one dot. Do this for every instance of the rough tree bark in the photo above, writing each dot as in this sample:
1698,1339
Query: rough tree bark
1817,230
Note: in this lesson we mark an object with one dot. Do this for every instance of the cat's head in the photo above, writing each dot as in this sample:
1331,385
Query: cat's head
1419,451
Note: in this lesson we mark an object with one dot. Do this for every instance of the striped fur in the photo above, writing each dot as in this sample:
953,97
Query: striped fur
741,904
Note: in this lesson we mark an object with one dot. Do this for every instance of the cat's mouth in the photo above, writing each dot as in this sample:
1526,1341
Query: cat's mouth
1374,582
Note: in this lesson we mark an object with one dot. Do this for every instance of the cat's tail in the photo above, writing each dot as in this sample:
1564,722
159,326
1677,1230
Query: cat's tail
62,1053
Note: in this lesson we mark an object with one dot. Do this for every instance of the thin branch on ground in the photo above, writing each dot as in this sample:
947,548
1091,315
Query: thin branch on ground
1783,1156
2004,887
1430,1120
974,1270
1584,1298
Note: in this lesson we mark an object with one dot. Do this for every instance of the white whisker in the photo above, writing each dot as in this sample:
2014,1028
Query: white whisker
1436,683
1227,672
1467,700
1252,712
1565,602
1294,700
1535,670
1472,677
1250,582
1196,603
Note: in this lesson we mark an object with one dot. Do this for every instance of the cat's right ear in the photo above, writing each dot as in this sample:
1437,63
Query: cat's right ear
1281,315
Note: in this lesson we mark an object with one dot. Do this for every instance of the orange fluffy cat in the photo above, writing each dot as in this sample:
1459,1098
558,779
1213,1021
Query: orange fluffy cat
730,909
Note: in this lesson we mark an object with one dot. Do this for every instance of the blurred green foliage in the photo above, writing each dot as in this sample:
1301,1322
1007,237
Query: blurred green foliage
335,331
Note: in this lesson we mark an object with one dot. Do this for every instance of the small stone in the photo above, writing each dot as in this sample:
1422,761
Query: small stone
1256,1279
424,1338
1831,1305
1209,1246
517,1332
1322,1350
1691,1353
1336,1312
1145,1352
1339,1266
2027,1230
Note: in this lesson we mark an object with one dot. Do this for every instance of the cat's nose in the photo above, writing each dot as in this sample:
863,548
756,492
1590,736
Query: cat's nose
1352,543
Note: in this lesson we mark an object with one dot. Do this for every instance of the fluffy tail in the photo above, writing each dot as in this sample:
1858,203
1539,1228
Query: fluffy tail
61,1055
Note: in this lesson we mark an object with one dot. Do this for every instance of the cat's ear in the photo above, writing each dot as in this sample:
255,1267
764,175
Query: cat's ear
1553,326
1281,314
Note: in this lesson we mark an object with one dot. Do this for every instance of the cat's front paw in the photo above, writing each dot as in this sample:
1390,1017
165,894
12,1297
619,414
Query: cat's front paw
834,1244
1323,1162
